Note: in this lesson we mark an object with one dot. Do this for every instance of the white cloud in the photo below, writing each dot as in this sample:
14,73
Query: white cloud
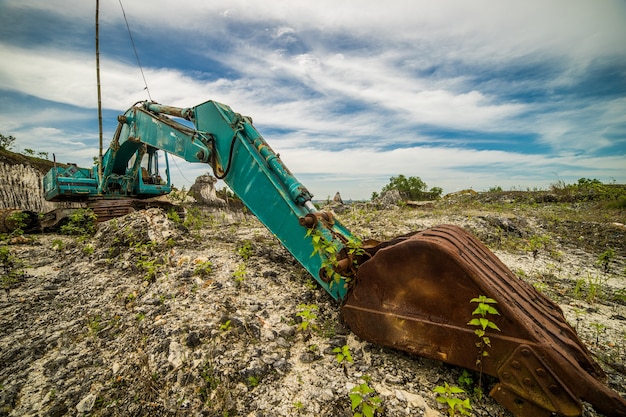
375,57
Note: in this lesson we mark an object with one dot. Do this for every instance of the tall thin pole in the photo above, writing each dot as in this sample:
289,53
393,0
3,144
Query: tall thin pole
99,94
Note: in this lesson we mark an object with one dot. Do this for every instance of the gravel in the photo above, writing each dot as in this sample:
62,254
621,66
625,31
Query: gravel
150,318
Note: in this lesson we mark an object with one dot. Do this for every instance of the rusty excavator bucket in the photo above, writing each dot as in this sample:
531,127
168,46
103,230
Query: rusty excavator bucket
414,294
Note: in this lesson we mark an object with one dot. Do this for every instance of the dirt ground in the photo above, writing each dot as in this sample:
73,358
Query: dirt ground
150,318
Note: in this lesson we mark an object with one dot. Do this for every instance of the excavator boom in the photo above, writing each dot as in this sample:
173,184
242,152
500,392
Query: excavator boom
411,293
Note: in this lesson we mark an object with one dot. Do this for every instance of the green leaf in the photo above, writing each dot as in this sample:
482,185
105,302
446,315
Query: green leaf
478,311
492,310
365,389
368,411
492,325
474,322
456,390
356,400
484,323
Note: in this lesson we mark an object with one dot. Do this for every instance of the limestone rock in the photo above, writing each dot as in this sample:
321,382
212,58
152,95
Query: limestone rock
21,188
203,190
391,197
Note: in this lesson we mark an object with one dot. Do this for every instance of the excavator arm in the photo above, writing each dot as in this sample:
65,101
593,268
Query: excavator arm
410,293
240,156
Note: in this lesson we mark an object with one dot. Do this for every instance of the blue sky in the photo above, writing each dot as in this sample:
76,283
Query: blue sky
463,94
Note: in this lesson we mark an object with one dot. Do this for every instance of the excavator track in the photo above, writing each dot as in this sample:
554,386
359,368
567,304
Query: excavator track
414,294
109,209
105,209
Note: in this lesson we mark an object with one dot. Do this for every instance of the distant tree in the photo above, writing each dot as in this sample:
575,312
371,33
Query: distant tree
6,142
412,188
588,182
29,151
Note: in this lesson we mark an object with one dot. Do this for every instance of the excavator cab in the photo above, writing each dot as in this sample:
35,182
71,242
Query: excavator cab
150,182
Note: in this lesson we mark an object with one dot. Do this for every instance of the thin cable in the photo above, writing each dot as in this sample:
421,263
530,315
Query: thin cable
179,170
135,49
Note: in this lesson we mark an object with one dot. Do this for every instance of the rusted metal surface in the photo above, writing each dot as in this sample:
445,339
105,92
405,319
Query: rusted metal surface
414,295
110,209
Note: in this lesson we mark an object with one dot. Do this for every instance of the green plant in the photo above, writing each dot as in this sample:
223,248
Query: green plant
355,249
578,288
327,252
540,286
94,325
307,313
6,142
203,269
599,328
604,260
240,273
145,261
194,221
595,288
173,215
252,381
342,354
211,381
82,222
620,295
535,244
483,311
321,245
57,244
579,313
245,250
88,249
310,283
449,395
412,188
466,379
11,269
225,327
364,401
18,221
150,267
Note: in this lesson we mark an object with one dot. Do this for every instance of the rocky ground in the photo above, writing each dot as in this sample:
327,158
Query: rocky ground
152,318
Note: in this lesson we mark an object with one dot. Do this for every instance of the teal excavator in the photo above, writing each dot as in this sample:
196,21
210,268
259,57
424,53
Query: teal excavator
411,293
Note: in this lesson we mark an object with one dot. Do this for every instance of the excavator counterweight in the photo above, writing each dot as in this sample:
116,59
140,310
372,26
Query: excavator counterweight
412,293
